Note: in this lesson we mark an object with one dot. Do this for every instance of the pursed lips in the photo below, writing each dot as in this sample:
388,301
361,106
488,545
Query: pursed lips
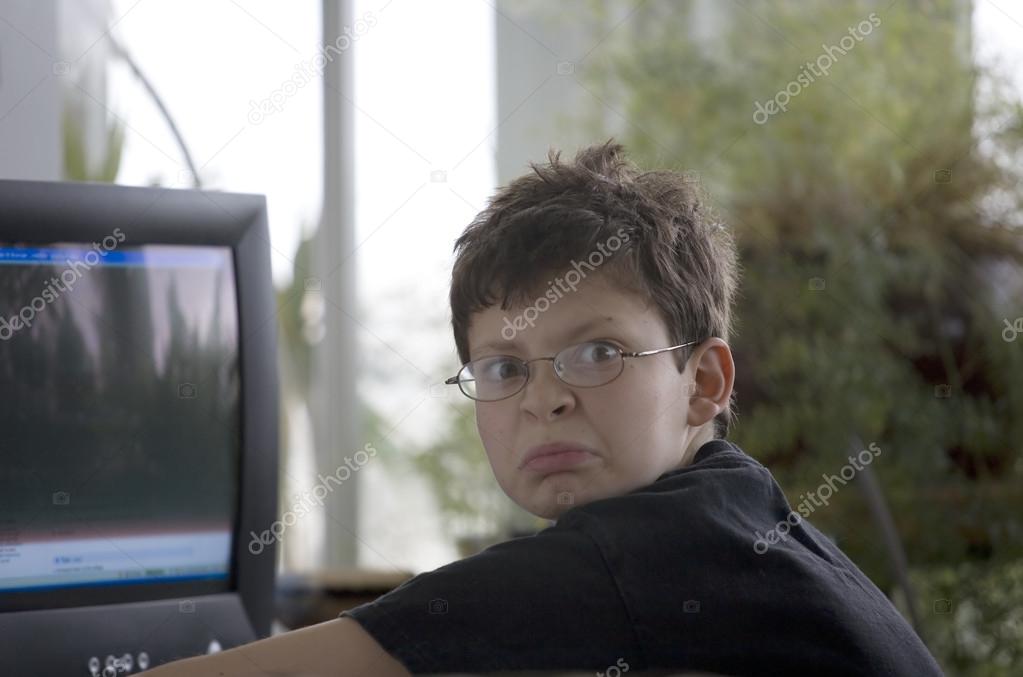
556,454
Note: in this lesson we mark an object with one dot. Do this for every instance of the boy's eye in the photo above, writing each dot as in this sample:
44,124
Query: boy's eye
595,352
592,352
502,369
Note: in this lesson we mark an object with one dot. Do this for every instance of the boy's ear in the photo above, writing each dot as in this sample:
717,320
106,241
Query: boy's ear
713,378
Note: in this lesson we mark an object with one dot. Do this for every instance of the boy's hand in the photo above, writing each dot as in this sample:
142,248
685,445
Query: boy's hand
337,647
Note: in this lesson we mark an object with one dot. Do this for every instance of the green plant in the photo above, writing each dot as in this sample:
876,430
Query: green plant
972,613
76,152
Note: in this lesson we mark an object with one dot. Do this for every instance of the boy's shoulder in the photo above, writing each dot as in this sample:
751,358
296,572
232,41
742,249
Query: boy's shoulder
691,538
715,454
719,467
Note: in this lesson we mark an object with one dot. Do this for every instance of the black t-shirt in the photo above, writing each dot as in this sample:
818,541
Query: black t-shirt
671,575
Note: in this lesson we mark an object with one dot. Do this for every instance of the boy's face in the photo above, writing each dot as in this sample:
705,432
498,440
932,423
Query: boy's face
638,426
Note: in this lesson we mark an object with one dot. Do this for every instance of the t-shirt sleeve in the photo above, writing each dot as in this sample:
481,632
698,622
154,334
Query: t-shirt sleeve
547,601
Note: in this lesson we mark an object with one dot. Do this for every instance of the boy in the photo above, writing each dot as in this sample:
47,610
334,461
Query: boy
591,308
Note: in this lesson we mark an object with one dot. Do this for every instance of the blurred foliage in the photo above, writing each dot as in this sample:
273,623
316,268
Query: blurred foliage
972,612
76,154
294,357
878,220
298,313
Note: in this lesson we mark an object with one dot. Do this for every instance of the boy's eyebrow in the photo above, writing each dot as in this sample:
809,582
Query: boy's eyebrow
584,327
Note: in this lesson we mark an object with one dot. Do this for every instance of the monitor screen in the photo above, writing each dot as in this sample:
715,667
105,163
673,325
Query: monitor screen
120,415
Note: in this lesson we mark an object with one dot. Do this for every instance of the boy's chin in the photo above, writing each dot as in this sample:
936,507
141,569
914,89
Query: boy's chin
550,501
547,513
551,507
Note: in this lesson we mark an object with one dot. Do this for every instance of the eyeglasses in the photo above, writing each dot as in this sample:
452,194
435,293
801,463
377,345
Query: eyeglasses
584,365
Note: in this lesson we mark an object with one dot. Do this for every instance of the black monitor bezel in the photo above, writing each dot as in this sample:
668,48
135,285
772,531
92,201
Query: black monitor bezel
38,213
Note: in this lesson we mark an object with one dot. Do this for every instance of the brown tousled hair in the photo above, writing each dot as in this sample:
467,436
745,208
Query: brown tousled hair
678,255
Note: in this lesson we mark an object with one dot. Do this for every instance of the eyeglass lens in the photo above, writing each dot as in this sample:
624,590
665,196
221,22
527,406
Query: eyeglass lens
587,364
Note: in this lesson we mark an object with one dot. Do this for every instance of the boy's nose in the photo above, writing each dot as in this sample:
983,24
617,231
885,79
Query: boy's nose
545,395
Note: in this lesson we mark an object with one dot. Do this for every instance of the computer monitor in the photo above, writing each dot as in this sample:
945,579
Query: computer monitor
138,426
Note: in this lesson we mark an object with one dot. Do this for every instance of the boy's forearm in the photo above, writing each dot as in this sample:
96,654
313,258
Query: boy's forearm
337,647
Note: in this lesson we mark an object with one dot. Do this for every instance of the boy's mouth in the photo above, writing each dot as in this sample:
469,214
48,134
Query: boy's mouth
554,456
556,462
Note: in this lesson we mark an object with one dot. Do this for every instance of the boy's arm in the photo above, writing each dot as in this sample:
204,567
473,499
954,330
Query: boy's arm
337,647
